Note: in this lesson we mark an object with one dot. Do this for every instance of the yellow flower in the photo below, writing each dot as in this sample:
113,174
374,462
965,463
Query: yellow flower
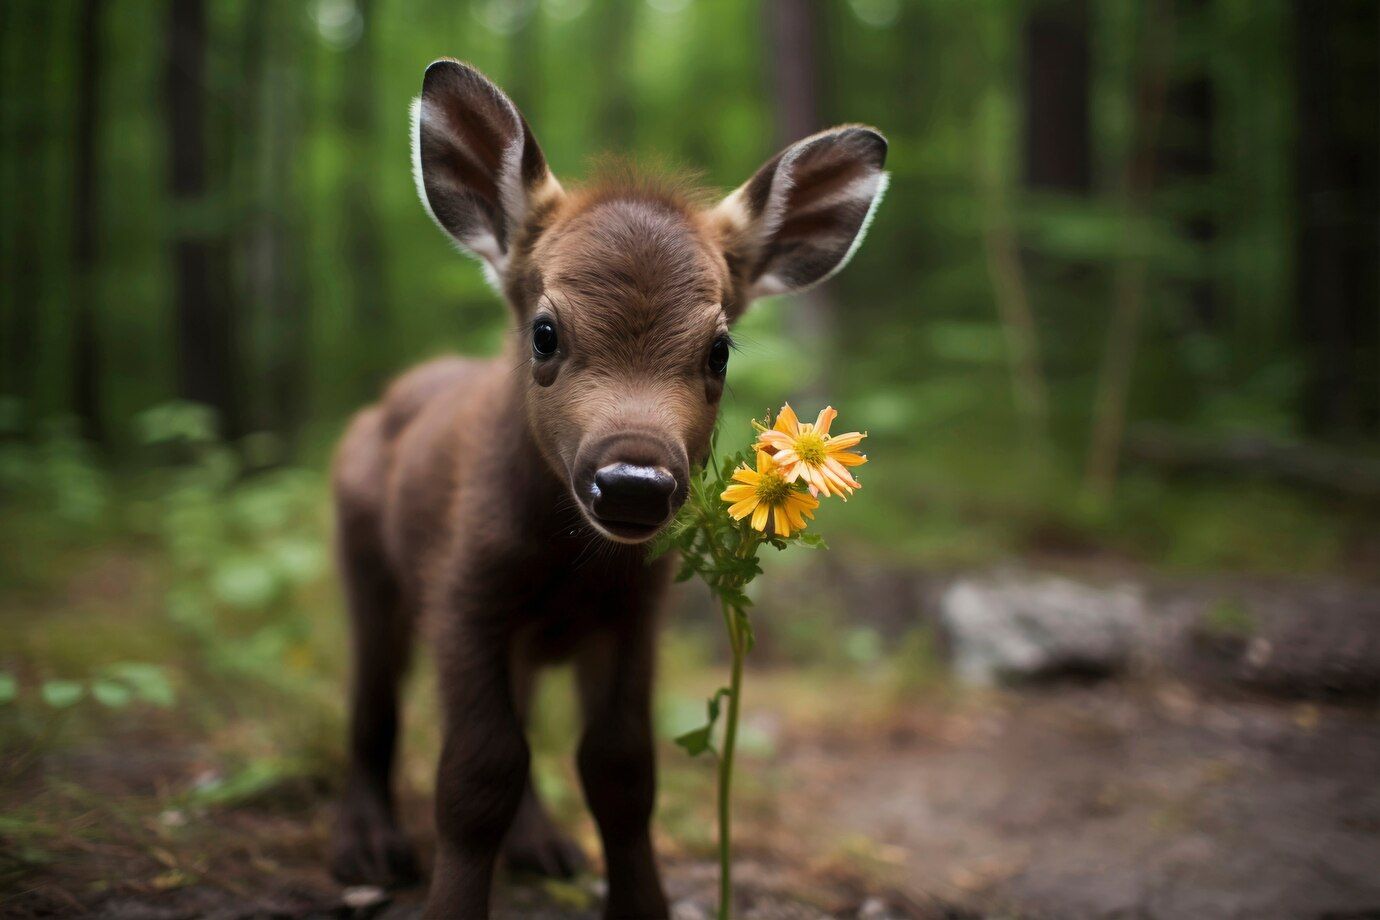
766,491
809,452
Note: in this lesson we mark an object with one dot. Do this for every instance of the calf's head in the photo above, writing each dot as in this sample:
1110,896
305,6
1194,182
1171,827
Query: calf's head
624,291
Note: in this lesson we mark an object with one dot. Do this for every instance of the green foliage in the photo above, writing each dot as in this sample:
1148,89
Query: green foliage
56,469
316,143
241,541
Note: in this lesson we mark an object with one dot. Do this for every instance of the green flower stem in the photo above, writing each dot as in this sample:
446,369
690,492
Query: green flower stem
735,689
733,618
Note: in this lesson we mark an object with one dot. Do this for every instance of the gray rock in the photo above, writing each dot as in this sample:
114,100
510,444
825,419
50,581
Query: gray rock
686,909
1013,628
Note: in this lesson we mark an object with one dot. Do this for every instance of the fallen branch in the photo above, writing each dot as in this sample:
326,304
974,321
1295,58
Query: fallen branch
1307,465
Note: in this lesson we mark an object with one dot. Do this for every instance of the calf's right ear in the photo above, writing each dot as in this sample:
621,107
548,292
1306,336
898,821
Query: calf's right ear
479,170
800,218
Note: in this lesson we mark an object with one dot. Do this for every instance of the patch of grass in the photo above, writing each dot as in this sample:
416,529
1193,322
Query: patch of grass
1228,618
917,664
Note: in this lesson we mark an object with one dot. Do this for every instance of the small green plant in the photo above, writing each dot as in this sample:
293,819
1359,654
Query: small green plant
762,495
55,469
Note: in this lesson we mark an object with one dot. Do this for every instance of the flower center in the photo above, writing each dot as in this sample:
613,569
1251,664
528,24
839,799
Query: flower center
772,489
810,447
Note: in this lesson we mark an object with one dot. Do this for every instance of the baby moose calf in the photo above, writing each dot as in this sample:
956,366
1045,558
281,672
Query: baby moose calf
501,503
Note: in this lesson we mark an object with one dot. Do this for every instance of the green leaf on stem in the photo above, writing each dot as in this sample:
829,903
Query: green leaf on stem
699,740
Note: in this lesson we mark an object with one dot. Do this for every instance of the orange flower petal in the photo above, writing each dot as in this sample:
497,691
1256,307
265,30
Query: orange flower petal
841,474
785,458
775,439
743,474
786,421
825,419
844,441
742,509
793,515
783,526
759,518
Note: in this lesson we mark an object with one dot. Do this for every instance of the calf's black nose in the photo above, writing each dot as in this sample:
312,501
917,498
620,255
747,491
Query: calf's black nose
632,494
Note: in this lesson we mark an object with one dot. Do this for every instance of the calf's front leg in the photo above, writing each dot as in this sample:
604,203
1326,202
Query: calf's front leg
483,770
617,762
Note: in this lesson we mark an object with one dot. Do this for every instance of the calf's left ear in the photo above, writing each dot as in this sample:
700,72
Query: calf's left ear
800,218
479,170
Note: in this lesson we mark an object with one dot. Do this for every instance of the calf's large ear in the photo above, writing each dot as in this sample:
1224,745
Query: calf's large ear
479,170
803,215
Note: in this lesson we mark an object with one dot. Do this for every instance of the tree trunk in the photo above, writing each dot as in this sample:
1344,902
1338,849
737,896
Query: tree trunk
617,113
363,247
205,330
1186,156
1132,272
29,208
1011,293
1338,188
7,160
793,38
1058,151
86,224
524,66
270,242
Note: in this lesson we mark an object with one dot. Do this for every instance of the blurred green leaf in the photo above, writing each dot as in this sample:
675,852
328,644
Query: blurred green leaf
149,682
245,582
111,694
61,694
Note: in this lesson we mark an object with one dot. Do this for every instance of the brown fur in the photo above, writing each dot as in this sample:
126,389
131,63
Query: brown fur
467,498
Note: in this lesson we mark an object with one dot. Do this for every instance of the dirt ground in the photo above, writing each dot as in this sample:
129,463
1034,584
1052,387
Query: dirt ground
1112,799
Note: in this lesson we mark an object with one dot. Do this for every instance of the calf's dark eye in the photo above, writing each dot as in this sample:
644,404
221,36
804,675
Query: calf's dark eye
544,338
718,356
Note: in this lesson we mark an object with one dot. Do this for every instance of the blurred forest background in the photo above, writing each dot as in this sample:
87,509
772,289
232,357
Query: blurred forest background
1123,241
1120,308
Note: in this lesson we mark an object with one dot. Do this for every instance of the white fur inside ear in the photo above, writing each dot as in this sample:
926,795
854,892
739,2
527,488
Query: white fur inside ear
782,181
415,119
510,191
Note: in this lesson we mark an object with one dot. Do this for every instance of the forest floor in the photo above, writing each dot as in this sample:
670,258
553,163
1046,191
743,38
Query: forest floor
860,795
1080,800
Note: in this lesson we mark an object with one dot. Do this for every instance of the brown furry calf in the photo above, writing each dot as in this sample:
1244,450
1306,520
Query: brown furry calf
502,502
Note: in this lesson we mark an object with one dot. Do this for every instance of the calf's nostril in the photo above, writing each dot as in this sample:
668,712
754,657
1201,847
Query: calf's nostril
626,477
633,494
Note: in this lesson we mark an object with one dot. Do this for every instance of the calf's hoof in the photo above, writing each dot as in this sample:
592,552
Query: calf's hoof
370,849
543,850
